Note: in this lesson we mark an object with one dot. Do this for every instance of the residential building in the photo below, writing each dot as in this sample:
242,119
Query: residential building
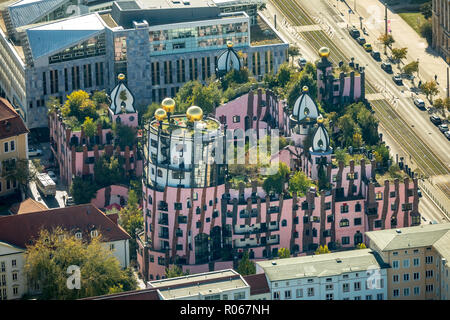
347,275
418,260
441,27
13,145
75,154
216,285
194,217
159,45
27,206
259,287
19,231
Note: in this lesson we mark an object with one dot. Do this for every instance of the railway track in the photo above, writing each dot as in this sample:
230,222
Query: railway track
429,164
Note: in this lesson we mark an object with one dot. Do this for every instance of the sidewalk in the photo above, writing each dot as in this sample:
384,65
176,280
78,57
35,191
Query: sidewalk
372,12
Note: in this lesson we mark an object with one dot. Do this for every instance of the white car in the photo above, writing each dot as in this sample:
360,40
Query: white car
419,103
52,175
32,152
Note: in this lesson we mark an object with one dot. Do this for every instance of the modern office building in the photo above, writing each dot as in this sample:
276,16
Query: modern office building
13,145
158,44
347,275
441,27
418,260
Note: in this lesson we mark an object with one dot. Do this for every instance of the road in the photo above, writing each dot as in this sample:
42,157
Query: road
432,157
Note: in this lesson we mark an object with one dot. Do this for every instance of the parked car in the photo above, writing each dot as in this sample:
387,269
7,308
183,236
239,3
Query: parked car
52,175
32,152
443,127
397,80
361,40
435,120
419,103
386,66
302,62
354,33
419,193
447,134
376,55
367,47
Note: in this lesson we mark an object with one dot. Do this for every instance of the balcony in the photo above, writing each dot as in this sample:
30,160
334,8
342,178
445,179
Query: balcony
254,228
275,239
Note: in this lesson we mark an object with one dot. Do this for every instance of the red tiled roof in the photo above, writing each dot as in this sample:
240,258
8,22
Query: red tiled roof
20,230
145,294
27,206
258,283
11,124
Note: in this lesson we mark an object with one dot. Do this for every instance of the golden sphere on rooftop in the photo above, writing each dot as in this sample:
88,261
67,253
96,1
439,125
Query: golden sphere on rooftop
324,52
121,77
194,113
305,89
229,44
168,104
160,114
320,119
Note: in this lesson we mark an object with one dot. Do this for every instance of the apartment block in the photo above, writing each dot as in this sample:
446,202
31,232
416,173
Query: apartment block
441,27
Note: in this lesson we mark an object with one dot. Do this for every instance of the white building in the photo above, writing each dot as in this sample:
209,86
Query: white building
18,231
347,275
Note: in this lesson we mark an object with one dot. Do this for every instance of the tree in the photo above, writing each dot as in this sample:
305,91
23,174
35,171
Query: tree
48,259
399,54
447,104
438,104
108,171
284,253
369,126
79,105
293,52
411,67
387,40
275,182
194,93
426,31
361,246
295,89
100,97
246,267
382,155
53,105
283,75
299,183
132,220
175,271
340,155
82,191
430,89
89,127
125,135
322,250
348,127
150,111
18,170
426,10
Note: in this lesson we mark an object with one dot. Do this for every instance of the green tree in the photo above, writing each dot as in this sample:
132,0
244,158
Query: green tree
150,111
340,155
295,89
100,97
299,183
79,105
382,155
194,93
430,89
283,75
246,267
175,271
399,53
447,104
284,253
369,126
82,191
132,220
348,128
108,171
412,67
438,104
426,10
89,127
18,170
53,104
426,31
293,52
387,40
48,259
275,182
125,135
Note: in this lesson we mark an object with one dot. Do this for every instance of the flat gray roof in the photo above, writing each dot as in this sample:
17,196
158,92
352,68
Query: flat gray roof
329,264
418,236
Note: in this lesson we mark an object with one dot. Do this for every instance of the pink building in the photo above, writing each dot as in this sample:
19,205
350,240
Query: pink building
75,154
208,225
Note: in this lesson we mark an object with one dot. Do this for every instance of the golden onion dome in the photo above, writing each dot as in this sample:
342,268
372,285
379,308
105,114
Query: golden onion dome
160,114
168,104
305,89
229,44
121,77
324,52
320,119
194,113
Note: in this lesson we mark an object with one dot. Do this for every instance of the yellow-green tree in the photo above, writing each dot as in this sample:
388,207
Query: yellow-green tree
48,259
322,250
361,246
175,271
430,89
132,220
284,253
89,127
